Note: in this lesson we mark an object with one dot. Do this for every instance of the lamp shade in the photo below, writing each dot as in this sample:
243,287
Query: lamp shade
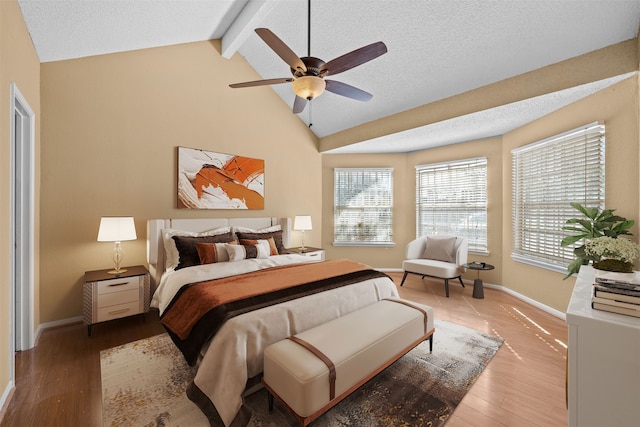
116,229
309,87
302,222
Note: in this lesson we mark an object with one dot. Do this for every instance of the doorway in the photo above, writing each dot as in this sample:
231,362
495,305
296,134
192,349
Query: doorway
22,223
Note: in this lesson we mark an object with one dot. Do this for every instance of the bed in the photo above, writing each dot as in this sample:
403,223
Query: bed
287,294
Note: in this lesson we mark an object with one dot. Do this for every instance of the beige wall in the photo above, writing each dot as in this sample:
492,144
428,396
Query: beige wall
617,106
375,256
18,63
110,128
404,214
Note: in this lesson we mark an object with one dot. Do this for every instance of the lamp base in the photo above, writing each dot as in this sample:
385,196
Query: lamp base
116,272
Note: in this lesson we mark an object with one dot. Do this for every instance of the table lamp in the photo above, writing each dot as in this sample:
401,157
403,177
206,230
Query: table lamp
302,223
117,229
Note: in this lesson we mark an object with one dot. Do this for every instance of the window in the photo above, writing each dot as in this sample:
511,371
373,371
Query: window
547,176
363,202
451,198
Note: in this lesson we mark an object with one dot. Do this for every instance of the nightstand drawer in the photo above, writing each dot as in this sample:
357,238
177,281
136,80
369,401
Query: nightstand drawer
118,311
316,255
115,298
118,285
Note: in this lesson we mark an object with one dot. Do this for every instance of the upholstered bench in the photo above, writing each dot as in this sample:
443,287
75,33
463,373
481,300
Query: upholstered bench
312,371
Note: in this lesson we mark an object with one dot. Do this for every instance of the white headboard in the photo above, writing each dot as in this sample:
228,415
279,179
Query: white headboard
155,246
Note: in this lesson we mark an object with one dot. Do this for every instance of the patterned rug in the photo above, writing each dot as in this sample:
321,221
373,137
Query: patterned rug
144,382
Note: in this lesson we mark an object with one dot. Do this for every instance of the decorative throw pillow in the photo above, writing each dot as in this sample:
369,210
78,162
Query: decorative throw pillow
210,253
187,251
273,250
440,248
240,252
172,257
277,238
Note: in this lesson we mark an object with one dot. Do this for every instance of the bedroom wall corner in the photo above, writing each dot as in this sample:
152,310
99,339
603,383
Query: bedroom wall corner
111,127
18,63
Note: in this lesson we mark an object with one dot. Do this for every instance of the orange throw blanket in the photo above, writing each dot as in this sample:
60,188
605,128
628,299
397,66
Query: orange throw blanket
199,310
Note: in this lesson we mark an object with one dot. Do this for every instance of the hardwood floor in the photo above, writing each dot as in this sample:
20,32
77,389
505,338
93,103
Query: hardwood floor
58,382
524,384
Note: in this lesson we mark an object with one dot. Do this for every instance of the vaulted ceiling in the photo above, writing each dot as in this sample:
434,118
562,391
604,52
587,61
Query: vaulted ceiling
437,50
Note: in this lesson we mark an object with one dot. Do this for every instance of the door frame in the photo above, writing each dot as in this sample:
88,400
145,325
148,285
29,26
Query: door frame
22,205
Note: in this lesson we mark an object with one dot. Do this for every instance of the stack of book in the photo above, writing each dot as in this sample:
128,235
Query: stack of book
616,296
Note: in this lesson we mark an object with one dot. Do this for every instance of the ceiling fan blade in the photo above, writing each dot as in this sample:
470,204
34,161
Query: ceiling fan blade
281,49
299,104
349,91
261,82
353,58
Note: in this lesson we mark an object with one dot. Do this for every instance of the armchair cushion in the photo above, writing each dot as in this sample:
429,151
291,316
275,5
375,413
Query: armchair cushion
440,248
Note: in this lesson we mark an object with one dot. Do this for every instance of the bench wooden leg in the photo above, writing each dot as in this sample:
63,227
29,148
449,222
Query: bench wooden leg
461,282
270,399
446,287
431,344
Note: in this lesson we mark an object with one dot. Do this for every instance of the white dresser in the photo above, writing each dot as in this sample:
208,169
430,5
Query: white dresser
603,367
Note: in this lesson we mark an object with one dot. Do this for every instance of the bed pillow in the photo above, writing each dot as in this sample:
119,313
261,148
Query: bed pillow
241,229
187,251
276,235
440,248
273,250
171,252
240,252
210,253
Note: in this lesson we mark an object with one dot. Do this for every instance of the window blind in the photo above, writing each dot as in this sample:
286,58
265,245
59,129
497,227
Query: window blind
451,198
363,202
547,176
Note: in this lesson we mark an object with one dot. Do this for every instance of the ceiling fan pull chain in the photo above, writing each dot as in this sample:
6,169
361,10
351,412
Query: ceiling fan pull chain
310,108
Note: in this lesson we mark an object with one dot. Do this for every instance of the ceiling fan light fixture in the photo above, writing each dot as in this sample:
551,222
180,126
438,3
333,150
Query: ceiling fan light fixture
309,87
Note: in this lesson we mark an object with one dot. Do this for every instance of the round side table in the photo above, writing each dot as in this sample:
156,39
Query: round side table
478,291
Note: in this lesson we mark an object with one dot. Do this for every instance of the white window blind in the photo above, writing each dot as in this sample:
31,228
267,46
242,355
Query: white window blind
547,176
451,198
363,202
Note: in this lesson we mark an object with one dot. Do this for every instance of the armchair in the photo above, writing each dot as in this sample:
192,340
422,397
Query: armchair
439,256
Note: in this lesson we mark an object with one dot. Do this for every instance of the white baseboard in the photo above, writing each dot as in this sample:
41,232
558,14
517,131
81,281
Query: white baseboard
528,300
41,327
521,297
4,399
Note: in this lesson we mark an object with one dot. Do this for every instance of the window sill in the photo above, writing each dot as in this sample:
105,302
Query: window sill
369,244
539,264
479,253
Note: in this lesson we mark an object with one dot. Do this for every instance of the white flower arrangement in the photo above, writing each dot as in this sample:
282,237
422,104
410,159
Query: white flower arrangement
611,254
608,247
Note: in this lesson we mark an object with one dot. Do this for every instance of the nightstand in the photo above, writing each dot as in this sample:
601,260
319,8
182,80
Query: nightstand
109,296
316,253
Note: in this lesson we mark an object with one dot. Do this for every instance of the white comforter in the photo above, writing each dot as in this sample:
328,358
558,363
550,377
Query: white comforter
235,354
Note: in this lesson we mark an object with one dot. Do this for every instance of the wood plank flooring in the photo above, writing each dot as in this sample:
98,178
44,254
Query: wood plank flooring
58,382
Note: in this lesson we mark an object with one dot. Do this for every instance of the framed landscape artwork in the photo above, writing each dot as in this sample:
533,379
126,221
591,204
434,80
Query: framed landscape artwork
209,180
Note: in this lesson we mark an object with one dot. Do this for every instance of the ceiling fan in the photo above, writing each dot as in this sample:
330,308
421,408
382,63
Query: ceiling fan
309,73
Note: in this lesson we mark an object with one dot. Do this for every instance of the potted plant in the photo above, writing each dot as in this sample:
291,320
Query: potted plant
595,224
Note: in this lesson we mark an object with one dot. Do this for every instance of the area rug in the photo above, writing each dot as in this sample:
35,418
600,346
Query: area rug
144,383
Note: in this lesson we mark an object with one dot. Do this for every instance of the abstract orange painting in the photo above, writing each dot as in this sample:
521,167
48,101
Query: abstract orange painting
209,180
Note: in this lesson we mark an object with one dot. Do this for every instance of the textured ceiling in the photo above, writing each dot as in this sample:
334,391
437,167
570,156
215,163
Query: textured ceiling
436,49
